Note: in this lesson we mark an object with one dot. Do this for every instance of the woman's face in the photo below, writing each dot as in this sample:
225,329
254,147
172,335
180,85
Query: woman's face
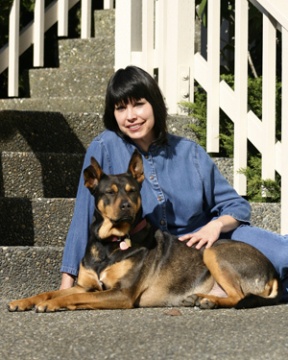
136,120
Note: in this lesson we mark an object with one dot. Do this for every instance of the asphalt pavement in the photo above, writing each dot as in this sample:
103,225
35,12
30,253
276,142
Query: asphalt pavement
153,333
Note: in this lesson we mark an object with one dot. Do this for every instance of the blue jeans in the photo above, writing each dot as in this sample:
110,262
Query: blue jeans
272,245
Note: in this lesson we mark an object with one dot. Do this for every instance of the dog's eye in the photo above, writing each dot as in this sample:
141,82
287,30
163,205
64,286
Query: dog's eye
109,192
131,190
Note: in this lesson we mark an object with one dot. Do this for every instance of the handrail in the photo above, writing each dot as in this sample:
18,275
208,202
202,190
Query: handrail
278,9
247,126
33,34
20,42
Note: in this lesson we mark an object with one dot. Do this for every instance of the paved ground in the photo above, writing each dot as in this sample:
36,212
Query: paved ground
157,333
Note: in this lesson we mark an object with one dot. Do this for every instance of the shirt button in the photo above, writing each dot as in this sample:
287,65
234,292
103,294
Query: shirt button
162,222
159,198
151,177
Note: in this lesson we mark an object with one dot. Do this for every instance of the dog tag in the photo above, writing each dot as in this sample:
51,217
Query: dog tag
128,242
125,244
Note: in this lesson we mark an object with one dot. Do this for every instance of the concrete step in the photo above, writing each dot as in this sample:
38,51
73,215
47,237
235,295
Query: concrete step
35,222
86,52
26,271
63,132
104,24
74,82
45,131
97,51
56,104
33,175
45,222
266,216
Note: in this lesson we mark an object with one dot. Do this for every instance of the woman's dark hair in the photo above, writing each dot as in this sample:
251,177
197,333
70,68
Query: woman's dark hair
130,84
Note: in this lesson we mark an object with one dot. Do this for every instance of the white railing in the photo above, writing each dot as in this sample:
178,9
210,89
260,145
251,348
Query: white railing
164,40
158,35
33,33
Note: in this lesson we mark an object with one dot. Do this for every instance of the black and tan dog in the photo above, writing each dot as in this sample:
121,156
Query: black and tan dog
129,265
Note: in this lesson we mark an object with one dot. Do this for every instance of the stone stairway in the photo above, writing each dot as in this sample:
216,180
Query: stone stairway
42,142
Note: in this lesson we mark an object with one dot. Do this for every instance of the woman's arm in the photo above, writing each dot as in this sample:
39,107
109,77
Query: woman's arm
78,232
225,206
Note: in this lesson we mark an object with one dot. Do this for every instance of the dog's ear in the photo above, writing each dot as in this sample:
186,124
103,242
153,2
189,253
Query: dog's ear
136,166
92,174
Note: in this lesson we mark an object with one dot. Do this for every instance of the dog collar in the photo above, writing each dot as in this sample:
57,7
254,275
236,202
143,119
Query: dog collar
140,226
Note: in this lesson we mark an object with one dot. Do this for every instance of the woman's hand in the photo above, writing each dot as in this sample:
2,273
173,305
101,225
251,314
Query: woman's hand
209,233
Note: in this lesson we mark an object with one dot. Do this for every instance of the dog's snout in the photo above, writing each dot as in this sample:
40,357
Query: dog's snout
125,205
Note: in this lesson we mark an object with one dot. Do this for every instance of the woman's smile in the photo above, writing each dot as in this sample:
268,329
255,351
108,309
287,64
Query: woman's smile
134,127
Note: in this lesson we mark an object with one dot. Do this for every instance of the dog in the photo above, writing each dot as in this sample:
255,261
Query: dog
129,264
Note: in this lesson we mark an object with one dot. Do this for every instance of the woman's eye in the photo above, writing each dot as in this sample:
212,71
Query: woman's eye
139,103
119,107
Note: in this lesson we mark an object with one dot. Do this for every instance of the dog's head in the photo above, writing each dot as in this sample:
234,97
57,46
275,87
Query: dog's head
117,197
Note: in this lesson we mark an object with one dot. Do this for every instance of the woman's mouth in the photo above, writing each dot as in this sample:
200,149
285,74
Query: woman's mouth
134,127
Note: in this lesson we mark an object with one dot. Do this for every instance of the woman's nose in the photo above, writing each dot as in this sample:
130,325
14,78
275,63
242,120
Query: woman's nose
130,112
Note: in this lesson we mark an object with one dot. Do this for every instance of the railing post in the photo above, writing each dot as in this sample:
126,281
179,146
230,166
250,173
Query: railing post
38,33
175,57
86,19
108,4
13,70
63,17
147,35
123,34
268,97
284,134
213,94
241,94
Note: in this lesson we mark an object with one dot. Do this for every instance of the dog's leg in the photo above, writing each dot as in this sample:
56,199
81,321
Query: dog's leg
227,281
109,299
31,302
87,280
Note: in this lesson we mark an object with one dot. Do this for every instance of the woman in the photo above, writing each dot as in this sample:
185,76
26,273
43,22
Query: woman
183,192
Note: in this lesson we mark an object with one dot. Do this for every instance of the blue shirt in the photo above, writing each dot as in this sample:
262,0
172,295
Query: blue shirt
183,190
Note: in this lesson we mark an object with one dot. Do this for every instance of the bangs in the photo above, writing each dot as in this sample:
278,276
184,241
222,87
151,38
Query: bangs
126,101
126,91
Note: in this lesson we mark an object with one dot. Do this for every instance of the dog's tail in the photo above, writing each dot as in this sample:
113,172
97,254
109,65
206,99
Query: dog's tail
252,300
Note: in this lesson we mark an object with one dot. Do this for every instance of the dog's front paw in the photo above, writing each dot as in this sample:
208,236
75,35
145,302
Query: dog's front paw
20,305
47,306
204,303
44,307
190,300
